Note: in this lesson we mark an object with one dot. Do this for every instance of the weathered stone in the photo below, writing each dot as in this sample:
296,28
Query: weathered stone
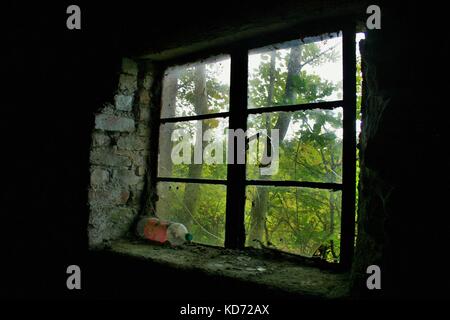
140,186
127,83
108,197
114,123
148,81
140,171
144,114
144,97
131,142
108,108
123,102
109,223
129,66
125,177
99,177
100,139
118,158
107,158
135,198
143,130
137,159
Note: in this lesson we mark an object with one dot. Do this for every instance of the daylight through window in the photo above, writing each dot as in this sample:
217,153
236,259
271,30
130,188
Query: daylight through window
293,124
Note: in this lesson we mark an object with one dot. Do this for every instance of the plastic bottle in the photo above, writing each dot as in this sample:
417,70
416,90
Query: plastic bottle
157,230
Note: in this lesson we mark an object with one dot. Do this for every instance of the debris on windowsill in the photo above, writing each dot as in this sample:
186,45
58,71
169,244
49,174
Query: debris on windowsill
245,265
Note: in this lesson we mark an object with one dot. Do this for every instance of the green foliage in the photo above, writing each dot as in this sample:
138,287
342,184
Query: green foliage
297,220
207,222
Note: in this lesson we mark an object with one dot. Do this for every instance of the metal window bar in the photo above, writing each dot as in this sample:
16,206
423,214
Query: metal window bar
235,201
329,105
276,183
195,117
349,147
236,175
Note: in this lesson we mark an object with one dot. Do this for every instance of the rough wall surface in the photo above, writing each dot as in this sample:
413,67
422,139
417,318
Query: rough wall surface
401,227
119,156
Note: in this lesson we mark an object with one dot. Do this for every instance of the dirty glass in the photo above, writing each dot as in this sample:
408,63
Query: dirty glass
302,221
200,207
308,146
296,72
197,88
193,149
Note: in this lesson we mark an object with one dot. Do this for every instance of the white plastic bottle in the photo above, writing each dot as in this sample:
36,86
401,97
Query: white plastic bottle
177,234
157,230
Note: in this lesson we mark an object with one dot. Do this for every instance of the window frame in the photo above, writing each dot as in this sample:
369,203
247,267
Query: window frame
236,181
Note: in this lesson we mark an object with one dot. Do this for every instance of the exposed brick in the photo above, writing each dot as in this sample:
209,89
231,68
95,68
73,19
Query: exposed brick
135,198
123,102
148,81
107,158
140,171
127,84
114,123
118,158
131,143
144,114
137,159
99,177
129,66
108,197
109,223
143,130
100,139
144,97
125,177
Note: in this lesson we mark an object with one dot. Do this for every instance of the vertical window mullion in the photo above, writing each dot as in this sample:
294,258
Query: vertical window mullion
349,147
235,212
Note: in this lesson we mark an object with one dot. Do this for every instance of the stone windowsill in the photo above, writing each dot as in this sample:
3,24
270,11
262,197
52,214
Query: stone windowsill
285,275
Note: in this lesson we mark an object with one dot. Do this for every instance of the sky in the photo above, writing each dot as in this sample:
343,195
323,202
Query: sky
331,71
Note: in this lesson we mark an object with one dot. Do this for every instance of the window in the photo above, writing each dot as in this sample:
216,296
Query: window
295,102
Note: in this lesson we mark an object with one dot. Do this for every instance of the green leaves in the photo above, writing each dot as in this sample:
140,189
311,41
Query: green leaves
299,220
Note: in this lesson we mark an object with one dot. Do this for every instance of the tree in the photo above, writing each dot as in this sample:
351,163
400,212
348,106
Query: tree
188,91
200,102
297,220
299,87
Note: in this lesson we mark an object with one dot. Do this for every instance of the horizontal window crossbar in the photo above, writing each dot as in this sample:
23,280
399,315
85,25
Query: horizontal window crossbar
275,183
304,184
190,180
328,105
196,117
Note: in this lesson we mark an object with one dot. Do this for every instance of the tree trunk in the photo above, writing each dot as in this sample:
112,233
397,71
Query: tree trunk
332,203
191,192
260,202
166,144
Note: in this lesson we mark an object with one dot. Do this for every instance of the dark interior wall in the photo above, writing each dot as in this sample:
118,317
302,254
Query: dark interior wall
56,79
403,226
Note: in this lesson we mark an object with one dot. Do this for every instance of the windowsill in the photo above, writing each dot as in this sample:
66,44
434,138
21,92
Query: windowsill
288,276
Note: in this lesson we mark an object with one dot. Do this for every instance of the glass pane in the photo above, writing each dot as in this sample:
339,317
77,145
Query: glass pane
197,88
200,207
295,72
308,146
193,149
302,221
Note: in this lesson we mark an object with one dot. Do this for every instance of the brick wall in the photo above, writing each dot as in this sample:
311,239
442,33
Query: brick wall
119,155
